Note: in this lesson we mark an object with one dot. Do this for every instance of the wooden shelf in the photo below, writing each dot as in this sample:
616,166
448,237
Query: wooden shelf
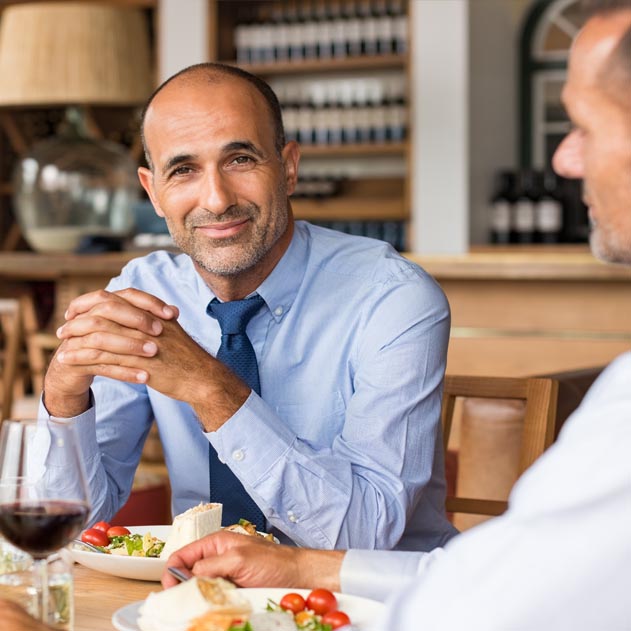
371,62
351,209
364,149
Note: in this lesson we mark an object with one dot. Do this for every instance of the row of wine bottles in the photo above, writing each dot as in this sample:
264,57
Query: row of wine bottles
531,206
317,186
392,232
296,31
340,123
344,110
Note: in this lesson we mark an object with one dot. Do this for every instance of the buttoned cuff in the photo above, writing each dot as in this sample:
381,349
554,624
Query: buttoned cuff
252,440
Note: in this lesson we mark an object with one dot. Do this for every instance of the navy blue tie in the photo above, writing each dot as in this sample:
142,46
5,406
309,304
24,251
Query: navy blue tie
237,353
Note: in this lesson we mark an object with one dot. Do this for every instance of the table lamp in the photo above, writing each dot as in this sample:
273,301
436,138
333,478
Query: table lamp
72,186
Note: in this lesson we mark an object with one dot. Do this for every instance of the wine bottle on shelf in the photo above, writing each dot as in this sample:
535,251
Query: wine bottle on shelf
320,114
549,210
335,117
290,107
385,27
266,35
353,29
294,32
349,114
396,110
527,197
377,112
324,31
399,26
369,28
501,207
338,30
306,120
280,35
306,16
243,37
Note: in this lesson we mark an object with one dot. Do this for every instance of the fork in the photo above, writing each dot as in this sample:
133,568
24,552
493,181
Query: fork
87,545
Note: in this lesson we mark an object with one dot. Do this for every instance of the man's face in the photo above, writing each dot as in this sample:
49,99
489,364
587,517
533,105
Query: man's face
217,178
598,149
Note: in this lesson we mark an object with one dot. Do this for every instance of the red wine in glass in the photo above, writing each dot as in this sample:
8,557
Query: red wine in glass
44,501
41,528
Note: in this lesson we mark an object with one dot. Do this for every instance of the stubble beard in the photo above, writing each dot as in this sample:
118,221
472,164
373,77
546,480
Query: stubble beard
242,251
609,246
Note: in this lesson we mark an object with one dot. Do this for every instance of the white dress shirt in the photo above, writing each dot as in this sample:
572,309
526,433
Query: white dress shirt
560,558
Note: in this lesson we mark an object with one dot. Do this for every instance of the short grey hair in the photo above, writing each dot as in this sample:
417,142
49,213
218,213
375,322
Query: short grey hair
212,72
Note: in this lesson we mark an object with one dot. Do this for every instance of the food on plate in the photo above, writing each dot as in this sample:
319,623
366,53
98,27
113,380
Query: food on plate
118,540
244,527
318,612
263,621
175,609
193,524
202,604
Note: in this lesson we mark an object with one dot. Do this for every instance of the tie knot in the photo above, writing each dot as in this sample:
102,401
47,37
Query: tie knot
234,316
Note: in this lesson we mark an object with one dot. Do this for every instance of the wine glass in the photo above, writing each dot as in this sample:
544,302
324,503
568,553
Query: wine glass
43,493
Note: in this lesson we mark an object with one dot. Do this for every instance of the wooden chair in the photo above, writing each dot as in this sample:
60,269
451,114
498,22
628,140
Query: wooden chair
11,335
540,396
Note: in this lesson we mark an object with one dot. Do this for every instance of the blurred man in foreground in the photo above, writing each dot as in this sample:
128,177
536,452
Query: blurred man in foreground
560,558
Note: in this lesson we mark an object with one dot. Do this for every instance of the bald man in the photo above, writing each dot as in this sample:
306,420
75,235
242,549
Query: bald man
318,417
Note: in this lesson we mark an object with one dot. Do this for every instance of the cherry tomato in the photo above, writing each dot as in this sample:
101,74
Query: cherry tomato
95,537
292,602
102,525
117,531
336,619
321,601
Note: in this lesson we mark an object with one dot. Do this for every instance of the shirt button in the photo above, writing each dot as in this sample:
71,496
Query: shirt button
292,518
238,455
278,311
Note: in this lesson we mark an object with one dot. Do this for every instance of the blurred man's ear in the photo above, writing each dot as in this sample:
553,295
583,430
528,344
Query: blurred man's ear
291,159
146,180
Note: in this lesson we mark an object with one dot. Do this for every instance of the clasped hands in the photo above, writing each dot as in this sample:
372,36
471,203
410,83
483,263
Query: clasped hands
133,336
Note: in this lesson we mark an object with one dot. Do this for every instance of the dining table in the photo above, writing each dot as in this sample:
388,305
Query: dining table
97,596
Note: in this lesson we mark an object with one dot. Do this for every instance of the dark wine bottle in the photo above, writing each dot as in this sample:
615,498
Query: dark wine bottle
527,197
549,210
502,206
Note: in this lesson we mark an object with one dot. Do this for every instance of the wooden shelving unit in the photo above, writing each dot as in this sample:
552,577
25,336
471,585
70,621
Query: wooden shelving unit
372,62
369,196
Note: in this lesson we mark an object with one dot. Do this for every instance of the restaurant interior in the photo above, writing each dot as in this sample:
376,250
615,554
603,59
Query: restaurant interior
428,124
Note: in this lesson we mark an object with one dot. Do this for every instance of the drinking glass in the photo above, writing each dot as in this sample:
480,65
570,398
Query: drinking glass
43,493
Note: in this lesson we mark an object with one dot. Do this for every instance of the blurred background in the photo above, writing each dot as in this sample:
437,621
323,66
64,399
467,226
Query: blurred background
427,123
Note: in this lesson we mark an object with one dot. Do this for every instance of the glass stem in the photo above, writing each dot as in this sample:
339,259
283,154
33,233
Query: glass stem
40,571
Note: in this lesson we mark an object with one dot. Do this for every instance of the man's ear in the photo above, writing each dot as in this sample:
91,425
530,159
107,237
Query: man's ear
146,179
291,159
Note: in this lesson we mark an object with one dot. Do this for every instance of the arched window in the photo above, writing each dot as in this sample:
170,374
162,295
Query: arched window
549,29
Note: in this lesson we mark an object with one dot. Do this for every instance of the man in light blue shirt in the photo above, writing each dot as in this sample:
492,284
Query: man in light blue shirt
342,448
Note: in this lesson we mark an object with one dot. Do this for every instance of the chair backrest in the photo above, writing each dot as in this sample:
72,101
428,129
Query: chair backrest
540,396
11,330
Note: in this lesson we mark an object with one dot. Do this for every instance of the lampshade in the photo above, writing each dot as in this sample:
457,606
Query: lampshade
73,53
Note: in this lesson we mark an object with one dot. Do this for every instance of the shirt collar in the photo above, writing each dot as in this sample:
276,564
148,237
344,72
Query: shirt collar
280,288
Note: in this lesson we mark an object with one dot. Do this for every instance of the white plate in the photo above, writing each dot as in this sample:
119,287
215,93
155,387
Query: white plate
362,611
140,568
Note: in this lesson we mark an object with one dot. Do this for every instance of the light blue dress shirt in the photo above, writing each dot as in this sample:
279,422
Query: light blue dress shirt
343,447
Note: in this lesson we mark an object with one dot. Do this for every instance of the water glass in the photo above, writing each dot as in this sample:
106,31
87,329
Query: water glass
17,584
